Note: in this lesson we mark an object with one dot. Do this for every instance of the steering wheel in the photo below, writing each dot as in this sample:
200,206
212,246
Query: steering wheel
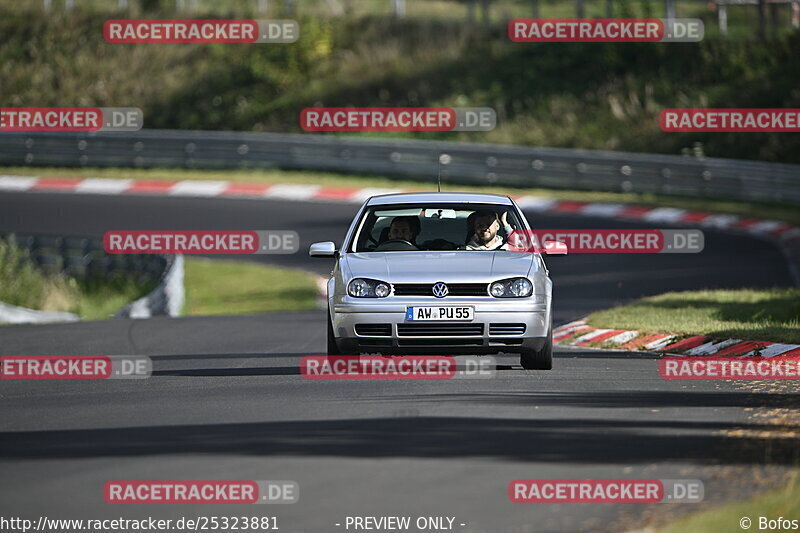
395,245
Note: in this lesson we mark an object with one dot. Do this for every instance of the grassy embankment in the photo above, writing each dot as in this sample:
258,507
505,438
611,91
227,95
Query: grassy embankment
748,314
212,288
24,285
783,502
224,287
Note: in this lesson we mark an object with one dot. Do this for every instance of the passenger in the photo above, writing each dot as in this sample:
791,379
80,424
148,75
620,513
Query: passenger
484,235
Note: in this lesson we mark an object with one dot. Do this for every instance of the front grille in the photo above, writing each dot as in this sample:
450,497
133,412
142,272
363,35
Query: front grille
454,289
374,330
467,341
506,329
439,330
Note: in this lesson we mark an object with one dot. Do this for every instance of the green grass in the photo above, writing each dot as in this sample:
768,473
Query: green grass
101,299
747,314
23,284
787,213
225,287
784,502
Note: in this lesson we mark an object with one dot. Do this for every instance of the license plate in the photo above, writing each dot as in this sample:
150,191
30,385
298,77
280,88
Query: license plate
465,313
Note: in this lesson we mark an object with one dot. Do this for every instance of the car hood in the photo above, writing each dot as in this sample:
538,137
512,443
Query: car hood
430,267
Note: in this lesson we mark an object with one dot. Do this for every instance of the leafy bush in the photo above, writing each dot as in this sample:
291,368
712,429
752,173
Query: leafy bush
583,95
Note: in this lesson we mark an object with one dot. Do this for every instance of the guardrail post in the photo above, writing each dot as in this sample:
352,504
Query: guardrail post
669,8
722,18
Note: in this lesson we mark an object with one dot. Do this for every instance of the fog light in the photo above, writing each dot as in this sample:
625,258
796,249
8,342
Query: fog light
381,290
497,289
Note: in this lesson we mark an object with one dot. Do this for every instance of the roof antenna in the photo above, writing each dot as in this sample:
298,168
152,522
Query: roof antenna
444,159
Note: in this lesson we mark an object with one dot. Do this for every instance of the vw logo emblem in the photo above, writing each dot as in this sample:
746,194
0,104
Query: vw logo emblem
440,290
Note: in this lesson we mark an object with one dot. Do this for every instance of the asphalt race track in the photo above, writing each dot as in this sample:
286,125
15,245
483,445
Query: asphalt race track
227,402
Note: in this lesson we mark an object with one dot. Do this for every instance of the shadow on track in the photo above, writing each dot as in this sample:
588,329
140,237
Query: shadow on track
586,440
598,399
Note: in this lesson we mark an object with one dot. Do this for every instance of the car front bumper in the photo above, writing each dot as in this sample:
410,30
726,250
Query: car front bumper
499,325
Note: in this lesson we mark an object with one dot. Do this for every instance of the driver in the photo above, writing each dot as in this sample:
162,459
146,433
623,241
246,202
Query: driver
405,228
484,236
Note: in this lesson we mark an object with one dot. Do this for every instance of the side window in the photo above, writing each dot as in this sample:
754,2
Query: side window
364,242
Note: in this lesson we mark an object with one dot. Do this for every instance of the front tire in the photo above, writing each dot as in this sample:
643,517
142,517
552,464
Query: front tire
539,359
333,349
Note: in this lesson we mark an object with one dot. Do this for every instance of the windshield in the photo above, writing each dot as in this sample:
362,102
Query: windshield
426,227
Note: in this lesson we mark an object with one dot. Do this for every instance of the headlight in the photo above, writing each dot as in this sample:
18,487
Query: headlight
368,288
511,288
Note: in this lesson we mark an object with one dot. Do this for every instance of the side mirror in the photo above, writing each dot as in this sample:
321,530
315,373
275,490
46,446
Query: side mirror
322,249
555,248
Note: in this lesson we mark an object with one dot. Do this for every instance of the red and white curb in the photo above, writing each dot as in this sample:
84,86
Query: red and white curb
189,188
578,333
305,193
785,235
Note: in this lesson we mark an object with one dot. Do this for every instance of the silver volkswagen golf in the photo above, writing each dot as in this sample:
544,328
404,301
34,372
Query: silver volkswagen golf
432,273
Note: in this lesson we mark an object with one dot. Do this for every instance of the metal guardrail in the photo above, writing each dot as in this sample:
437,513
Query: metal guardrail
470,164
